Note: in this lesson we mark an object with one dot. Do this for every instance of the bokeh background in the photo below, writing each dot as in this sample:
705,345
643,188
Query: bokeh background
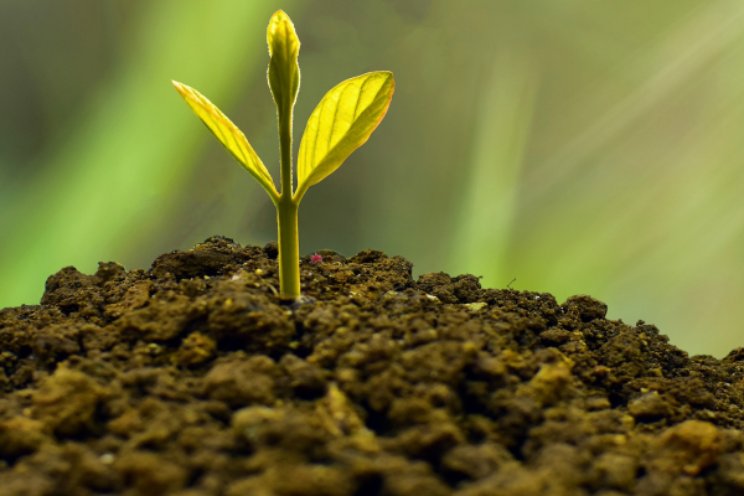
568,146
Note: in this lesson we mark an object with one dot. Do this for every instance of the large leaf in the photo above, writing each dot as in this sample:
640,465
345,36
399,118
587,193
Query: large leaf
229,135
342,122
284,70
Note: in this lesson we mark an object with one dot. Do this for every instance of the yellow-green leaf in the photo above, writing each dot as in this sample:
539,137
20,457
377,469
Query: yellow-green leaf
229,135
342,122
284,70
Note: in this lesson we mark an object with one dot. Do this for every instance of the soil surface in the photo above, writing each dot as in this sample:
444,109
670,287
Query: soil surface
193,378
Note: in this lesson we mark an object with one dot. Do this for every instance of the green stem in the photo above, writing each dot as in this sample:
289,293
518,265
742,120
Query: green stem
289,249
286,215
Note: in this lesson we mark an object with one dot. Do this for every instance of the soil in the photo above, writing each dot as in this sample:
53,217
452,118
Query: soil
193,378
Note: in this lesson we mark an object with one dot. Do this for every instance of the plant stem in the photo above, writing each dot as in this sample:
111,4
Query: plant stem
286,214
289,248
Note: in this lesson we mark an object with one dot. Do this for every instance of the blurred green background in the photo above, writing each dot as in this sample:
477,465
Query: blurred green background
568,146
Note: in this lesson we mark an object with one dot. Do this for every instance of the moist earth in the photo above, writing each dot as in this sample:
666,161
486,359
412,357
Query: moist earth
194,378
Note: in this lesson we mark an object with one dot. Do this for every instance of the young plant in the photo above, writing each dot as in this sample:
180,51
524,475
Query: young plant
342,122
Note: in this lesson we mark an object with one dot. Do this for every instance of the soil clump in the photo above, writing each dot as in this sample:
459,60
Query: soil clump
194,379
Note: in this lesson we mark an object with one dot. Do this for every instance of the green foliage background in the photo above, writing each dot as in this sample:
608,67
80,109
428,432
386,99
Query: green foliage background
567,146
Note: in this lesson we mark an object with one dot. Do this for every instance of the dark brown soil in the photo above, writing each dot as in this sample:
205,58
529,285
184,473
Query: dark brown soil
193,378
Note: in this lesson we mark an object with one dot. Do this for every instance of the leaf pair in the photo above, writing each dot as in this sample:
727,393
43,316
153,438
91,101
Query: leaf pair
343,120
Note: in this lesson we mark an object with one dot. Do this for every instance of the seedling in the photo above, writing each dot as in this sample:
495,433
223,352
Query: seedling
342,122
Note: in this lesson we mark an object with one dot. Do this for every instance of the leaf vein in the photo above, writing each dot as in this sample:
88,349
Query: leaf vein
332,127
359,96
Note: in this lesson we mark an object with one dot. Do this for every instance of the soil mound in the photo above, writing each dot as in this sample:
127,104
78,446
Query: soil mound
193,379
